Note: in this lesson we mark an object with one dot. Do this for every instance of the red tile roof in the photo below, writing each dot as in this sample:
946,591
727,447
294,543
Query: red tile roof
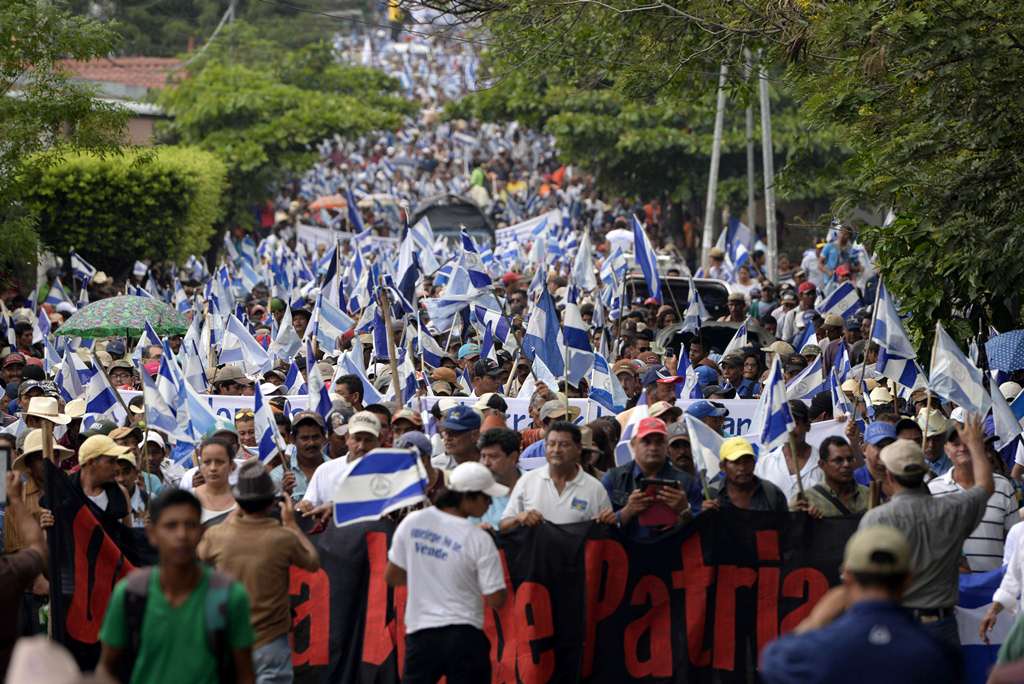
148,72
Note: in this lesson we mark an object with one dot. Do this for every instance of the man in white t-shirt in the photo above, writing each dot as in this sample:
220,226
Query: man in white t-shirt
452,570
561,493
777,465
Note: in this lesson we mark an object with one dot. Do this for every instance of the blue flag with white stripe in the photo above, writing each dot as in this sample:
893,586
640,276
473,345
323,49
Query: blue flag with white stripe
808,383
543,339
896,356
382,481
844,302
695,313
81,269
646,258
773,419
605,388
953,377
268,439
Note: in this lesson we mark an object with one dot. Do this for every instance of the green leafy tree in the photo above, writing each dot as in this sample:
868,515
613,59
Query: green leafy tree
264,112
159,204
40,107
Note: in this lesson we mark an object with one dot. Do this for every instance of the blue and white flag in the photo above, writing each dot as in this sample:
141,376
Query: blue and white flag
501,328
268,440
844,302
487,345
705,444
293,381
382,481
72,377
51,358
81,269
286,342
583,265
239,346
473,263
158,413
738,341
840,404
139,270
773,419
577,340
101,397
431,351
646,259
149,338
355,219
810,382
806,339
328,324
954,378
605,388
57,294
896,356
348,364
975,598
1007,425
193,367
695,313
543,339
869,408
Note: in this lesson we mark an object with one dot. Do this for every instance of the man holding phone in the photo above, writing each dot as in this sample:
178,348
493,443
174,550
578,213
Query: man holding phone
649,493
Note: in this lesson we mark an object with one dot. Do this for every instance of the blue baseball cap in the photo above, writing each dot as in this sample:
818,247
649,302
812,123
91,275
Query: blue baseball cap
413,439
461,418
467,350
704,408
877,431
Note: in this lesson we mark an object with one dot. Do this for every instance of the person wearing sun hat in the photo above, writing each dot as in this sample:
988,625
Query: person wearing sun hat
741,488
98,477
449,584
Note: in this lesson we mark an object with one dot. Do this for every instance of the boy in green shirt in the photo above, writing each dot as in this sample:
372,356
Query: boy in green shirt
179,621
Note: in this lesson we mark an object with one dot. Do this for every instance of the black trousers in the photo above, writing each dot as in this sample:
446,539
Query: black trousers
459,652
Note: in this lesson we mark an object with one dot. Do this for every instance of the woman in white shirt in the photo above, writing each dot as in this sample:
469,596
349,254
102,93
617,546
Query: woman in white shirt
216,461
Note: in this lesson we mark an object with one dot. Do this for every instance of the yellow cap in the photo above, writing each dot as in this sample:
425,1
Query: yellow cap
99,445
735,448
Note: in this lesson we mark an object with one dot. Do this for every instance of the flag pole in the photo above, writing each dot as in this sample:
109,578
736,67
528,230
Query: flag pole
871,330
928,394
796,466
385,310
48,452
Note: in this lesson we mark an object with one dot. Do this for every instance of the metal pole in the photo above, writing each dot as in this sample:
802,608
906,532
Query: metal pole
751,161
769,176
716,154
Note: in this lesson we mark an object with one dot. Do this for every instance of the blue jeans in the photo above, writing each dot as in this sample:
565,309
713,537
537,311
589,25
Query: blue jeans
944,630
273,662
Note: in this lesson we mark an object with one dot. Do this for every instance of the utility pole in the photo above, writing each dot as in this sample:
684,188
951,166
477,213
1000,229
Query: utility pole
769,175
716,154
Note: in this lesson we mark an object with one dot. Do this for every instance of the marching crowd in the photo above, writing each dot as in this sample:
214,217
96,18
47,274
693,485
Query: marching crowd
228,511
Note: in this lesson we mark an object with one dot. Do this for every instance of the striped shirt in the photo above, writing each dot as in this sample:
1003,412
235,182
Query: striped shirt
983,548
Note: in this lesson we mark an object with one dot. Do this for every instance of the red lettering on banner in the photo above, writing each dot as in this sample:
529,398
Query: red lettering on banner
656,624
94,580
767,587
503,644
398,596
378,633
802,582
694,579
730,578
533,622
317,609
604,560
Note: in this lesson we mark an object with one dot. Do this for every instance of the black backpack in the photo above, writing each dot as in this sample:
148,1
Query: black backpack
216,621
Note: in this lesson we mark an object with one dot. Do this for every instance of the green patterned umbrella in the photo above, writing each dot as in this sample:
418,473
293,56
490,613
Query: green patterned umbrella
123,316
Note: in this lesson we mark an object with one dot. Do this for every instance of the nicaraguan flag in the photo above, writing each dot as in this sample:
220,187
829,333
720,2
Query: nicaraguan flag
808,383
954,378
840,404
738,341
896,356
57,294
382,481
431,351
577,339
646,259
695,313
81,269
844,302
976,591
239,346
72,377
293,381
329,323
583,265
286,342
605,388
158,413
705,444
268,439
543,338
773,419
1007,425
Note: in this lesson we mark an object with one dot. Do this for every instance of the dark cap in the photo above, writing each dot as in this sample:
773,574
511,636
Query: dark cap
800,411
308,417
677,432
658,374
100,427
488,367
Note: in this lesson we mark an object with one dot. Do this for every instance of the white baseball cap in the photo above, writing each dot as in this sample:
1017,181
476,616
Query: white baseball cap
475,477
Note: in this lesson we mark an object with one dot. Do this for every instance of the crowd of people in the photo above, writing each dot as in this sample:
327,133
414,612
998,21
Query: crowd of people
936,486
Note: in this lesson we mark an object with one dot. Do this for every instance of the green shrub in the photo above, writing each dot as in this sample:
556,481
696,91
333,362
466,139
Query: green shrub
159,203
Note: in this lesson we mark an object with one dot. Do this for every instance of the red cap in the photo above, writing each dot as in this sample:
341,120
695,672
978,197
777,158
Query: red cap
650,426
805,286
509,278
843,270
651,300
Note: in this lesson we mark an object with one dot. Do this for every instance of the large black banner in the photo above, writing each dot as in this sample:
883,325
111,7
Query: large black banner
586,603
88,555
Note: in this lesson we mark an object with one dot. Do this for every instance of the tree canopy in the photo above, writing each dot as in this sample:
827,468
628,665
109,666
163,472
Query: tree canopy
918,96
40,107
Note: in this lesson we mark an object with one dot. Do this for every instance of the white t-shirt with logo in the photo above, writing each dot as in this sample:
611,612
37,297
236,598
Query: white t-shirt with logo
582,499
450,565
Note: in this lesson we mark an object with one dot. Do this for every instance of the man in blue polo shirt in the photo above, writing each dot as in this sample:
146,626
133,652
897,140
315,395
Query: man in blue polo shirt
861,632
877,435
